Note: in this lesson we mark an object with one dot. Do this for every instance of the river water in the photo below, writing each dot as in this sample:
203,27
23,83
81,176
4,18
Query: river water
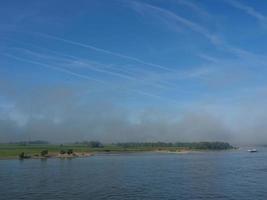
210,175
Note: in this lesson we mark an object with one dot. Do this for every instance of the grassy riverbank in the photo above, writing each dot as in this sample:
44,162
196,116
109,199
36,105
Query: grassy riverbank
14,150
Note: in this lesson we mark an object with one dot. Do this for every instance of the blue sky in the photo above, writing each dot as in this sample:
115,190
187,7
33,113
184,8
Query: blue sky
174,57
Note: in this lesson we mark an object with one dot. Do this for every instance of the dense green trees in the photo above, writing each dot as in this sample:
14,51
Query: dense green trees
189,145
91,144
44,153
192,145
34,142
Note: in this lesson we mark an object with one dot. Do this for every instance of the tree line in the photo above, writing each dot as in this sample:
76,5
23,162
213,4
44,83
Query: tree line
190,145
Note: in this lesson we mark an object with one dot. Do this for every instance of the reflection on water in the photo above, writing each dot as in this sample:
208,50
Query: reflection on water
212,175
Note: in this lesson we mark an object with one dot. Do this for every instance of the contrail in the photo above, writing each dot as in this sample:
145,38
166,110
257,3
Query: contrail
163,84
104,51
54,68
79,75
91,67
173,16
248,9
76,59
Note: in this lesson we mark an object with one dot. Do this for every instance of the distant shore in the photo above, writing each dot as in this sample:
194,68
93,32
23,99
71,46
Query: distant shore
86,154
35,150
177,152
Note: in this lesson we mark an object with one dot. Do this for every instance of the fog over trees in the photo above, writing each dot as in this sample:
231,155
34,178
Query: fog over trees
59,114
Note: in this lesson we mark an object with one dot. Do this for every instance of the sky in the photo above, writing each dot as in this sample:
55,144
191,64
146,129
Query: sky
132,70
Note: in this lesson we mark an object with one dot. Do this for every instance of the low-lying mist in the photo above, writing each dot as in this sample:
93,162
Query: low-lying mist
66,114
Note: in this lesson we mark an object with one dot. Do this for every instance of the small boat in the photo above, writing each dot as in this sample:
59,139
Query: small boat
252,150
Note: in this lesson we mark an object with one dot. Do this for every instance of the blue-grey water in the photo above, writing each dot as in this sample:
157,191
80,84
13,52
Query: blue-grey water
212,175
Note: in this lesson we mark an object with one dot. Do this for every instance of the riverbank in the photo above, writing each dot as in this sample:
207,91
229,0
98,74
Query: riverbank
31,155
43,151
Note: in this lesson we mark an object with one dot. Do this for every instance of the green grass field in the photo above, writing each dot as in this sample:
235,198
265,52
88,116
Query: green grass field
13,150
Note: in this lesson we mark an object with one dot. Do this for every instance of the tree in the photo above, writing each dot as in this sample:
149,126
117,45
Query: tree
70,151
22,155
94,144
44,153
62,151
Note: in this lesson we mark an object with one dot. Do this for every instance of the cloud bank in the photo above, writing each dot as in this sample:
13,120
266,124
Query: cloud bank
65,114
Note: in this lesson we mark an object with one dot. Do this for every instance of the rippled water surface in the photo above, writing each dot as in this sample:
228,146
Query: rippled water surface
213,175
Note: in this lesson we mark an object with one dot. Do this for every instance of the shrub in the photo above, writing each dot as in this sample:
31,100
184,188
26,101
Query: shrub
44,153
62,151
21,155
70,151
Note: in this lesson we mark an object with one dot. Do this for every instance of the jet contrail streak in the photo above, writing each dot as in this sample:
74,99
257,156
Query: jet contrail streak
91,67
55,68
105,51
77,74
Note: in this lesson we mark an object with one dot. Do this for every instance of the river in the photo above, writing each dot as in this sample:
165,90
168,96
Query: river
211,175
